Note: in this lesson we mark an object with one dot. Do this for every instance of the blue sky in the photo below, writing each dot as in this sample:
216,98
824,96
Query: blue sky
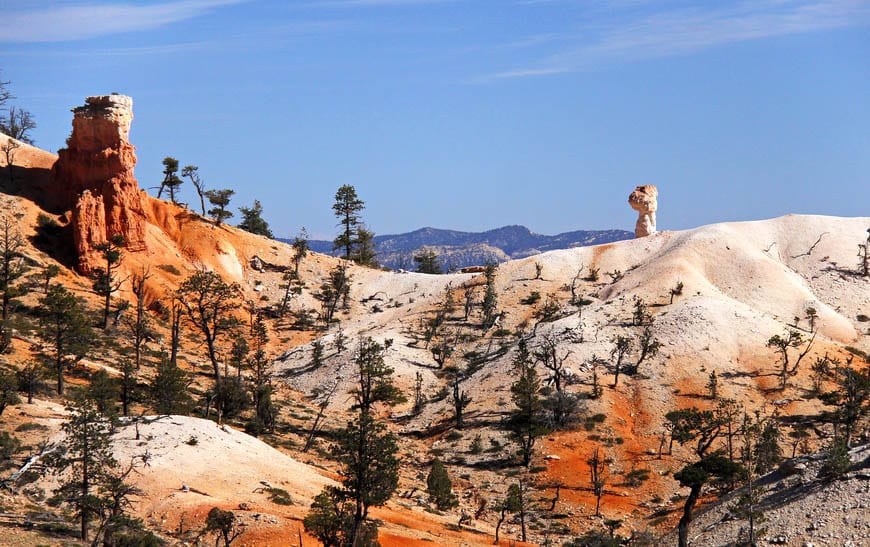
472,114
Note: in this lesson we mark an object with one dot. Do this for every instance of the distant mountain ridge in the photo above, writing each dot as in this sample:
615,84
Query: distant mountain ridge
462,249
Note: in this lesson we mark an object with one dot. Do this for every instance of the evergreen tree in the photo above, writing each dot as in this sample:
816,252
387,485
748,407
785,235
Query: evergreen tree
300,246
192,172
170,181
850,399
428,262
347,209
104,281
168,389
87,456
490,299
367,452
220,199
526,421
253,221
209,301
139,323
695,476
335,289
8,390
64,326
12,263
440,487
364,250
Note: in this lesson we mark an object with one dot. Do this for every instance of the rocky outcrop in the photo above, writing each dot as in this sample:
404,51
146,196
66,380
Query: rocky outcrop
93,177
644,200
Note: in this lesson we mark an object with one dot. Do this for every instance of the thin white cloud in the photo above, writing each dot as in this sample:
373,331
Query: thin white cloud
79,22
686,30
374,3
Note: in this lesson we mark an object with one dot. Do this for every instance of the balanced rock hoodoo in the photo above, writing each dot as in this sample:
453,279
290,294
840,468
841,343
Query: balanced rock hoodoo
94,179
644,200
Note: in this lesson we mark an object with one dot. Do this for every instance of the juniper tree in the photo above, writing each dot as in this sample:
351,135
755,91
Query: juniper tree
64,326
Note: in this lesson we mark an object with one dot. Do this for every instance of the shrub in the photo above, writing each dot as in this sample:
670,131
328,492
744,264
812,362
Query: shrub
279,496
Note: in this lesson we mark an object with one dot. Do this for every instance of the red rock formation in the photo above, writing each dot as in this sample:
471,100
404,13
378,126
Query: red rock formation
94,178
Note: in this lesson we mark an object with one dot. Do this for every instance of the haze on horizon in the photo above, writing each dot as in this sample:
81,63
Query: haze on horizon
467,114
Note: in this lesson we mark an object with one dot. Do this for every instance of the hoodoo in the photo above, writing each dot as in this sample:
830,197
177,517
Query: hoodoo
94,179
644,200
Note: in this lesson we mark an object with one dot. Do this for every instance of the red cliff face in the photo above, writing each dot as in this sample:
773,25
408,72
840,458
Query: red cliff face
94,179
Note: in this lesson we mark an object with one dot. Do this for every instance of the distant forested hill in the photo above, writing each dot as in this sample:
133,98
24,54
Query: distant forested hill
461,249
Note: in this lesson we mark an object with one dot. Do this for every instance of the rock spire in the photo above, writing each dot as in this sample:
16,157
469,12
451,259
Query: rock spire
94,179
644,200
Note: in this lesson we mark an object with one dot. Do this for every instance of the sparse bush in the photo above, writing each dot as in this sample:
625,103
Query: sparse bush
169,268
476,445
9,446
533,298
279,496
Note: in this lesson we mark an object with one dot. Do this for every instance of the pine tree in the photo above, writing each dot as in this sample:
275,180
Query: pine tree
490,299
439,487
364,251
64,326
209,301
347,209
253,221
104,281
170,181
427,262
168,389
367,452
87,458
300,248
192,172
526,420
220,199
